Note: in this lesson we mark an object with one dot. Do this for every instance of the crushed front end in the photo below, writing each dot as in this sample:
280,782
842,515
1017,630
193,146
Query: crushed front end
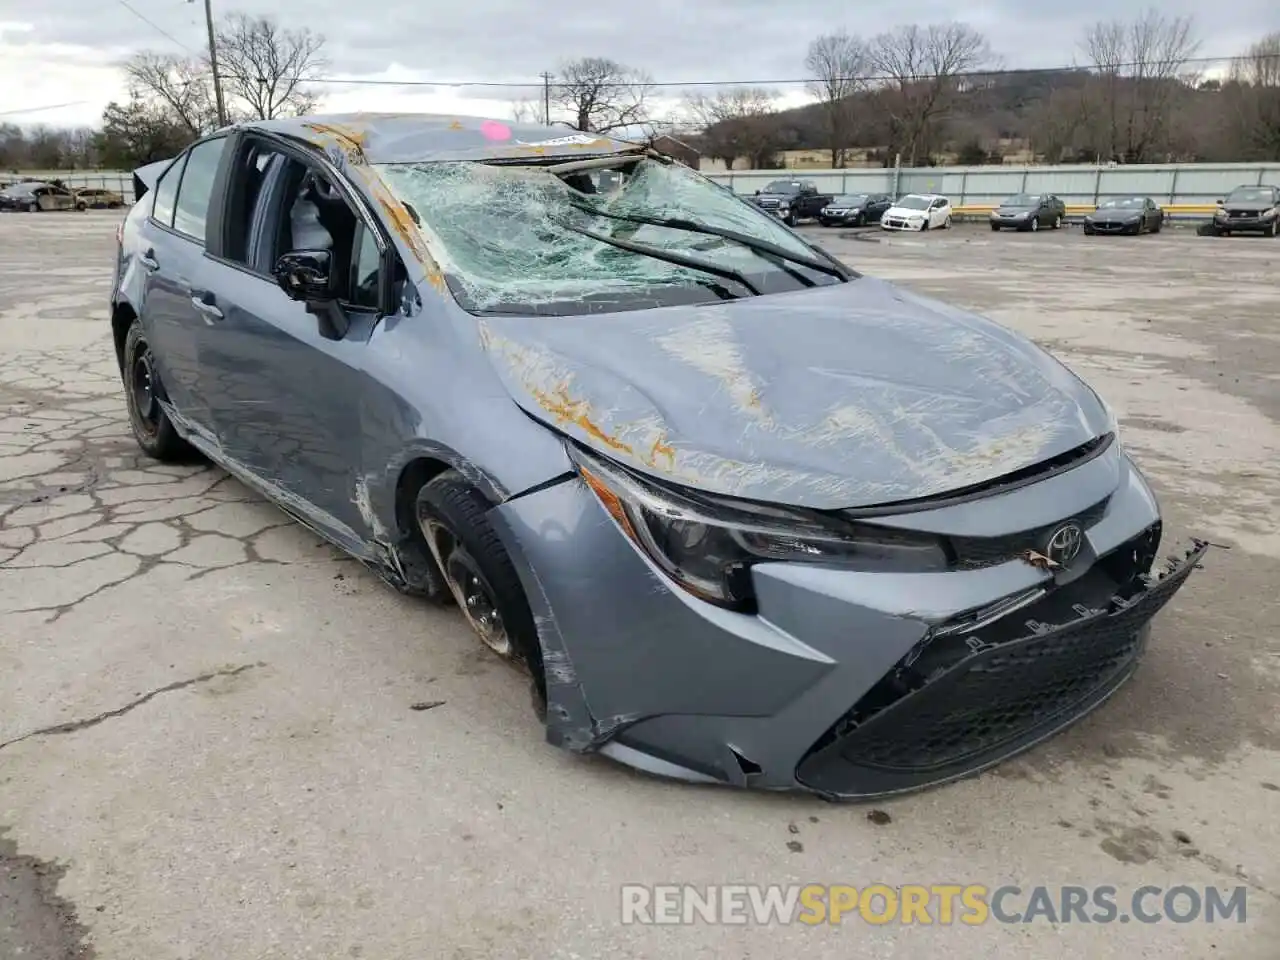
850,678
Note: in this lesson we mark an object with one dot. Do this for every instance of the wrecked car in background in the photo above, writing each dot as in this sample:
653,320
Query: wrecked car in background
744,515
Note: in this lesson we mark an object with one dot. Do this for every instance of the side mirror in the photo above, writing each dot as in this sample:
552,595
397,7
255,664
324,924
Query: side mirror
757,193
306,275
1219,202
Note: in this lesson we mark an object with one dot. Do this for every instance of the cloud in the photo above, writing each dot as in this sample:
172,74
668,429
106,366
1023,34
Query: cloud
505,40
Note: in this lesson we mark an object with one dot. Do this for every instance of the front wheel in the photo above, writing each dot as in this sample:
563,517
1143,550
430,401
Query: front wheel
946,224
1275,228
479,573
1034,226
789,219
995,228
33,207
1088,231
151,427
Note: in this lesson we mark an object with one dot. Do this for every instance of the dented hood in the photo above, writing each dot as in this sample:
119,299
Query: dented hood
848,395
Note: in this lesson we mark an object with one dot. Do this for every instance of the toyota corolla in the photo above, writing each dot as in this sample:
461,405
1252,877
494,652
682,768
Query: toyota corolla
744,515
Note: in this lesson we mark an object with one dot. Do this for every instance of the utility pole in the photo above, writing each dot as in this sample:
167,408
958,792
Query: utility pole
213,64
546,98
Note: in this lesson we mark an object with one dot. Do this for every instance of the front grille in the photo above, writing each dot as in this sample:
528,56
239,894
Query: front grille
973,552
768,203
1243,213
959,703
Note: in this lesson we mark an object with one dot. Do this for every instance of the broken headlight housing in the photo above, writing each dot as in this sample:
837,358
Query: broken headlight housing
708,544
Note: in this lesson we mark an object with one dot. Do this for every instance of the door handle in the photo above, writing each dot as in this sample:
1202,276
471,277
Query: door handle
149,260
209,311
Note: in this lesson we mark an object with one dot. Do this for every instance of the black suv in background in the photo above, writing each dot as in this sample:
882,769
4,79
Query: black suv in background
1029,211
791,200
1248,209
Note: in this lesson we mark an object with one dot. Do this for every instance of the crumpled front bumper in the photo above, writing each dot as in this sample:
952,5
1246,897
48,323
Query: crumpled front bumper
845,684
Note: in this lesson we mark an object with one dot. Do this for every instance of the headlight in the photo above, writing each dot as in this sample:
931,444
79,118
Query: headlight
1219,212
707,545
1135,218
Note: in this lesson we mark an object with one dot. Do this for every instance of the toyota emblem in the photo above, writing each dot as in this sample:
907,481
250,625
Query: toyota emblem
1065,543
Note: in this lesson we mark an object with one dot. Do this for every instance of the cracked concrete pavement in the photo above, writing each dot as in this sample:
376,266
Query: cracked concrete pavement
208,746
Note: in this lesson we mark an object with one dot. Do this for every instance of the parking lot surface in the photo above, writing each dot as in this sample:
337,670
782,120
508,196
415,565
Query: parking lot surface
209,745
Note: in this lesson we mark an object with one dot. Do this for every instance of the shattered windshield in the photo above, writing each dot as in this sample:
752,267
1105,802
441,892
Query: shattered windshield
509,237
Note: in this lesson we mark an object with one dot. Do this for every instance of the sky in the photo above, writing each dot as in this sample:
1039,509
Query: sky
61,55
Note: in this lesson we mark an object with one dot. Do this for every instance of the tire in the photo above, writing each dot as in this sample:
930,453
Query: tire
33,207
151,427
789,220
1057,221
480,576
1159,226
1275,228
1088,231
946,224
1034,225
995,228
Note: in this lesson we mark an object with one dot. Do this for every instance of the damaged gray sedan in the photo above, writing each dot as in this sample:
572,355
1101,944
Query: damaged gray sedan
744,515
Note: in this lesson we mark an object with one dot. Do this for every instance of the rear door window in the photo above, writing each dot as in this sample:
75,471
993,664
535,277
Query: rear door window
192,210
167,193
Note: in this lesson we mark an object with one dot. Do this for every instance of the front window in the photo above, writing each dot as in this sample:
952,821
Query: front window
782,186
910,202
1250,195
1023,200
1123,203
510,237
849,200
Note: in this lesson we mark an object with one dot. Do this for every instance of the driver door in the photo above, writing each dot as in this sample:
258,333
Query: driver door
288,406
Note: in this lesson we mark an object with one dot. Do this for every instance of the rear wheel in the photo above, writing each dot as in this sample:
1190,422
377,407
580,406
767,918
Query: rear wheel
151,427
1275,228
1057,221
1034,226
480,574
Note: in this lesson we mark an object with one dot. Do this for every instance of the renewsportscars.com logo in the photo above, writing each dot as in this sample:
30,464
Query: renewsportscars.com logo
927,904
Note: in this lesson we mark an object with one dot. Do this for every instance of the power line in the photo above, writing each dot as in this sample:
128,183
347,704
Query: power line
51,106
790,81
153,25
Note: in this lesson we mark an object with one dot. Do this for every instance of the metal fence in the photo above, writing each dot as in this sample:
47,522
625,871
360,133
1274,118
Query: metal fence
1171,184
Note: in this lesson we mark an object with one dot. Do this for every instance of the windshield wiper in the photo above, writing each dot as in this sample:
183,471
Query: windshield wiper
679,259
763,247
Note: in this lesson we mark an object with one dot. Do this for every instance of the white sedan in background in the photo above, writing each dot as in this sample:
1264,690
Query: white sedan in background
918,211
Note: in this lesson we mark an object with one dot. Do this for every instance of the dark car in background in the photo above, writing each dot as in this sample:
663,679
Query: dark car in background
33,196
1249,210
854,209
791,200
1029,211
1128,215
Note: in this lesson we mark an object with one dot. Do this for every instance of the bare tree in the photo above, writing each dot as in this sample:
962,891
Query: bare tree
524,110
1255,96
740,122
267,67
178,86
922,69
1141,77
601,95
839,64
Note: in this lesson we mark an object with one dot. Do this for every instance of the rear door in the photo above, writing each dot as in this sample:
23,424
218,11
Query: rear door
174,308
